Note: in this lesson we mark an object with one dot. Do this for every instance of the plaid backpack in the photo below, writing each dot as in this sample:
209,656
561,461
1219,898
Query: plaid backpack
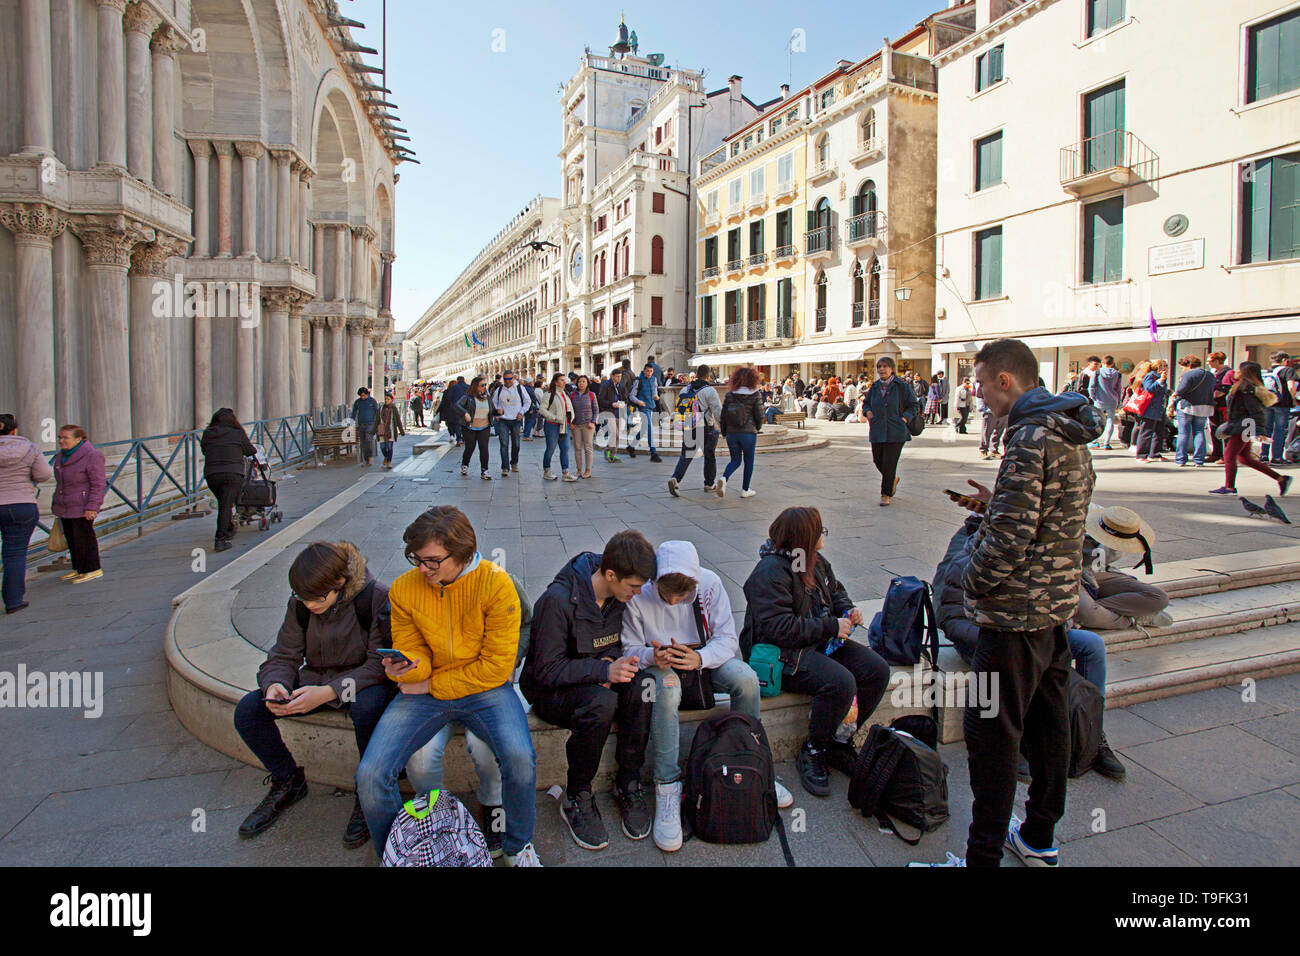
435,830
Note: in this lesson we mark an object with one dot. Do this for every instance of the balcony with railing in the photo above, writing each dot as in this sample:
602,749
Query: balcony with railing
733,331
711,272
817,243
787,188
785,326
757,260
866,229
707,335
735,265
756,330
823,171
756,201
820,315
783,253
868,149
1102,162
735,210
711,218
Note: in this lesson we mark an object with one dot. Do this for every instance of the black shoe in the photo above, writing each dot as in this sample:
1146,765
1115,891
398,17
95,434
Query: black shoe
357,834
16,608
841,756
630,801
282,795
222,545
814,776
1107,764
655,458
631,452
493,826
583,820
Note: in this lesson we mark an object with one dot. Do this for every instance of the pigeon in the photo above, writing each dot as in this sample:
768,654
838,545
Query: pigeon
1252,509
1275,510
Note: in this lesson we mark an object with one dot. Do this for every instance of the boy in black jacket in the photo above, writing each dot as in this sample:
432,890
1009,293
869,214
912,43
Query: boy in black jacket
575,678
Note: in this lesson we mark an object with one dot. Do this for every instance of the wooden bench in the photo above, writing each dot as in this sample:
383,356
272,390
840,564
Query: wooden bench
341,438
790,418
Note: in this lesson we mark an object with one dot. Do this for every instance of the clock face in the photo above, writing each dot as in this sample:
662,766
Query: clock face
575,264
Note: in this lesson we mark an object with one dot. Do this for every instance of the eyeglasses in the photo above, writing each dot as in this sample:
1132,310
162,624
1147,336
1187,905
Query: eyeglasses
825,532
312,600
429,564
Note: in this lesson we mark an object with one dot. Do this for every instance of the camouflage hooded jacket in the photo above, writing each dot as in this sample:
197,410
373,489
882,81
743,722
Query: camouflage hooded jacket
1025,566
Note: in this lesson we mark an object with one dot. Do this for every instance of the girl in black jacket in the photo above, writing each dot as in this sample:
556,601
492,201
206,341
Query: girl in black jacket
1248,403
742,419
796,603
225,445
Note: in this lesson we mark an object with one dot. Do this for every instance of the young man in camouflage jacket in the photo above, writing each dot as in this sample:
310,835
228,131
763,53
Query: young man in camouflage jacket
1021,588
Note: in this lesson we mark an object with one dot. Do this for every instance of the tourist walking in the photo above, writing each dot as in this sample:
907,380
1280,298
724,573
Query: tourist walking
22,467
388,429
78,496
1104,388
962,402
701,411
1223,379
449,409
609,397
417,409
225,445
742,420
1193,403
890,404
365,412
556,411
585,413
511,402
1249,401
1150,411
476,416
645,398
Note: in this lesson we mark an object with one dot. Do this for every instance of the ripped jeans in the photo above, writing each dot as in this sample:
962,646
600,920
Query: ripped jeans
735,678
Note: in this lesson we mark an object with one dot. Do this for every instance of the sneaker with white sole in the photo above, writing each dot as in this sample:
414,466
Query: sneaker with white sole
581,816
525,857
672,487
720,487
784,798
548,475
1027,853
952,860
749,493
569,477
668,816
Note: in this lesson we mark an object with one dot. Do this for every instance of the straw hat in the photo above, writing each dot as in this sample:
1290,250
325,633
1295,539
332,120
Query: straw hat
1120,529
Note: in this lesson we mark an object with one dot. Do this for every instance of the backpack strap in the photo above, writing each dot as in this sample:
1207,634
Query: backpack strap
880,769
785,842
931,627
362,606
701,625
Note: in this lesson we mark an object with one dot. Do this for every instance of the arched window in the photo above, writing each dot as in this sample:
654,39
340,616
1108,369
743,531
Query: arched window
627,255
821,302
824,151
864,204
859,294
868,126
657,256
823,213
601,280
874,294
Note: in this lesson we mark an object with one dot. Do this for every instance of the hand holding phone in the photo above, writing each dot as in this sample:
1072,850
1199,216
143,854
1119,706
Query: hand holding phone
276,694
396,656
968,502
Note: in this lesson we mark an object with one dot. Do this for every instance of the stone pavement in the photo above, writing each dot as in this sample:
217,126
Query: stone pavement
1212,779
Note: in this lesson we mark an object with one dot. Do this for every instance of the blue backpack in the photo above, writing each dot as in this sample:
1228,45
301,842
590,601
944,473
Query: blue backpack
902,629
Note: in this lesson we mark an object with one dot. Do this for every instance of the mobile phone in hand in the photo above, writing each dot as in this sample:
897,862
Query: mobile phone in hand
966,501
397,657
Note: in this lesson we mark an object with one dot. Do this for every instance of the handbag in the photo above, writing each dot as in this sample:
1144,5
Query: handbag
1137,403
697,684
765,659
57,542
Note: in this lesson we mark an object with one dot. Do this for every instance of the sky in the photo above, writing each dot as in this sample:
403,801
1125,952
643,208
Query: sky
477,87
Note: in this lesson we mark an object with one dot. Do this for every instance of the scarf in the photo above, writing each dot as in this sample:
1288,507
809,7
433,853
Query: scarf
65,455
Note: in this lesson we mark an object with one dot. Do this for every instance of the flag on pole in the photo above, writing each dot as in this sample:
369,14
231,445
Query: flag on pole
1151,314
467,345
476,341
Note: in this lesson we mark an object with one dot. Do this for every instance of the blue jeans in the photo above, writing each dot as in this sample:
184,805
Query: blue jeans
412,720
508,437
17,522
646,429
1278,420
554,438
741,445
530,424
710,444
424,769
1109,430
386,448
1089,653
1191,431
735,677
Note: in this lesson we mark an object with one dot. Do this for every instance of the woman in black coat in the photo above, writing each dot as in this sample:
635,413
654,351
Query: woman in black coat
225,445
796,603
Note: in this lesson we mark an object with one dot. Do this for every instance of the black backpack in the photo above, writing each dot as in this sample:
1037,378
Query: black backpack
729,790
906,626
736,414
899,777
361,605
1087,707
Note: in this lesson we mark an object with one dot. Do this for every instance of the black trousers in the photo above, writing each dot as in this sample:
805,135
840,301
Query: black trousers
961,425
83,546
1031,670
588,711
476,439
832,682
419,416
1148,438
226,488
886,455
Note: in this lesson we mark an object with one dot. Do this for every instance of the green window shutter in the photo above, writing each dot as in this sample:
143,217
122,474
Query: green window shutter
982,72
1257,200
855,206
995,64
1289,53
761,238
812,219
1103,241
988,263
1284,208
988,161
1274,57
1103,117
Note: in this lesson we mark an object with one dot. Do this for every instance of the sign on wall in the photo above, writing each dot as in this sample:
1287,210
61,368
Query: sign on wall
1176,257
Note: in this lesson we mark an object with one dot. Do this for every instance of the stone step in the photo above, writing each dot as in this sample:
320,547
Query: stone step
1209,613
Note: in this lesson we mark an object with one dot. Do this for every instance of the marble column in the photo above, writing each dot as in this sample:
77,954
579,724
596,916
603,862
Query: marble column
318,257
338,351
386,281
108,241
359,268
38,78
295,217
152,293
299,399
35,227
340,263
282,159
250,153
139,23
318,388
166,44
275,367
377,366
202,150
225,199
245,357
111,84
202,363
356,361
304,227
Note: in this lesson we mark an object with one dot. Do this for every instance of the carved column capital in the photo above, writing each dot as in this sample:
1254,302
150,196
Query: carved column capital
336,322
223,147
250,150
140,18
108,240
319,322
278,300
201,148
32,221
305,172
167,41
357,326
281,155
119,5
149,258
388,256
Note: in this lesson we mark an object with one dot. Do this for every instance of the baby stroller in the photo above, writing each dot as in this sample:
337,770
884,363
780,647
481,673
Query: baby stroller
256,500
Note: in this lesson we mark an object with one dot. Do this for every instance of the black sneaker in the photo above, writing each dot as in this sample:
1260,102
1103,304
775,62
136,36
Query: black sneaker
493,825
814,776
631,452
222,545
1107,764
841,756
282,795
357,834
655,457
583,820
630,801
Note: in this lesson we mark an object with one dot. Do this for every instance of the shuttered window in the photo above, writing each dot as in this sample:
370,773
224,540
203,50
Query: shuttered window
988,263
988,68
988,161
1104,14
1273,57
1103,240
1271,209
1103,127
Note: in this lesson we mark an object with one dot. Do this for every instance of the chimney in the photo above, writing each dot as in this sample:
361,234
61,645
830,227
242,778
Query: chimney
733,83
785,91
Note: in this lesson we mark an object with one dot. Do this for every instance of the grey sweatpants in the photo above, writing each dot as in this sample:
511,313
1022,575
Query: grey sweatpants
991,436
1120,599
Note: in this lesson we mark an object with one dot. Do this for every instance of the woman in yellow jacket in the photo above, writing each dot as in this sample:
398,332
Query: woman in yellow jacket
455,618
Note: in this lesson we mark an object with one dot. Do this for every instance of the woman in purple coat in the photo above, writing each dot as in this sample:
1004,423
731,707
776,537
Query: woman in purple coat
78,496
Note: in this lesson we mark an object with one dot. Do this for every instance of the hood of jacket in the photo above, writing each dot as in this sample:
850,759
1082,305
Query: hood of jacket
358,573
575,577
1109,377
678,557
768,548
1070,414
16,451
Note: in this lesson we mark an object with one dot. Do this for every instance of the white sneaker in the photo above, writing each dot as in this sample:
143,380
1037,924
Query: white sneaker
720,486
548,475
952,860
1029,855
748,494
525,857
668,816
672,487
569,477
784,798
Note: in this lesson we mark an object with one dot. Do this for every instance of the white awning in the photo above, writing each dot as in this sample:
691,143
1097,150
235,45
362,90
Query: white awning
813,352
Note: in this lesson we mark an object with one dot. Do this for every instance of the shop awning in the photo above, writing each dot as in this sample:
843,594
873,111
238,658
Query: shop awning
813,352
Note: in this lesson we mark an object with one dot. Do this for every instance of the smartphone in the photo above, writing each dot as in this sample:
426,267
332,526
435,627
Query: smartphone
693,647
397,657
966,501
279,700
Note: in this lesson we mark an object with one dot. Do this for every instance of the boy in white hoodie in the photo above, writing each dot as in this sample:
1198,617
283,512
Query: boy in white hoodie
659,625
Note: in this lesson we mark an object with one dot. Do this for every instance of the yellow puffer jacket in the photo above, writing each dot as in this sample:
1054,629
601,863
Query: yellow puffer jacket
462,636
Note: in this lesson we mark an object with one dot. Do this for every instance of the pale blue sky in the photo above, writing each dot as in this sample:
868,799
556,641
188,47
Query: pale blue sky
486,125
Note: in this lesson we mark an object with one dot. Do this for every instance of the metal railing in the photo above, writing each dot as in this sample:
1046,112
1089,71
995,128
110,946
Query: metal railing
735,265
821,320
756,330
1109,150
707,335
758,258
858,312
711,271
873,312
785,327
867,225
733,331
783,252
817,240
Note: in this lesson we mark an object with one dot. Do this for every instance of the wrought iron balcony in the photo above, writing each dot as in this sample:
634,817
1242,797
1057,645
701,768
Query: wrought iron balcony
711,271
733,332
782,253
867,229
817,243
735,265
758,259
707,335
756,330
1102,162
784,327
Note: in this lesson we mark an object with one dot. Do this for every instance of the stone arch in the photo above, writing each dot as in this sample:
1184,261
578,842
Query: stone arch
337,153
383,211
